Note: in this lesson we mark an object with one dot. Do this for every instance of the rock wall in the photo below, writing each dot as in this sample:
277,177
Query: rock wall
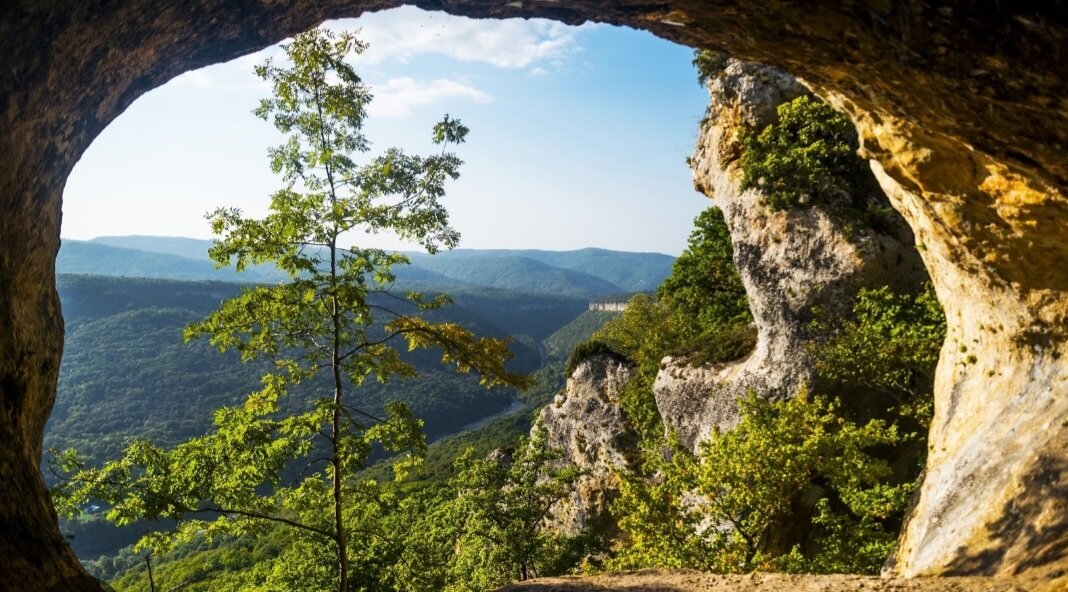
586,422
790,262
961,104
995,497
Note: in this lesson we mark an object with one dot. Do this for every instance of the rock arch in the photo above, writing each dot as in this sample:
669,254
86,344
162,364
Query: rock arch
961,107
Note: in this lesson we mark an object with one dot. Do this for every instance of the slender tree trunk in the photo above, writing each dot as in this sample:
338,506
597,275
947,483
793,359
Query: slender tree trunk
335,437
151,579
335,362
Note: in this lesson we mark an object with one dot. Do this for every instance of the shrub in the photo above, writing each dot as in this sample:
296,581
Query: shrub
807,155
794,465
710,64
587,350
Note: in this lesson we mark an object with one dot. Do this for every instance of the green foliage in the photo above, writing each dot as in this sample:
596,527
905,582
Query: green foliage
560,344
642,334
753,481
587,350
500,433
519,313
710,65
126,374
487,531
755,473
656,514
800,485
323,321
890,347
807,155
704,287
729,343
701,312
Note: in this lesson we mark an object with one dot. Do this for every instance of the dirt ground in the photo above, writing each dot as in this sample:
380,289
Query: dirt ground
691,581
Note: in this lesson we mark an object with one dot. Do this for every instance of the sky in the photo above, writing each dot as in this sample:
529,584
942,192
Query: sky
579,136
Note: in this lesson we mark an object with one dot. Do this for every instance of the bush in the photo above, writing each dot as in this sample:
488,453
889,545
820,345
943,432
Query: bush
889,347
710,64
808,155
718,347
587,350
793,474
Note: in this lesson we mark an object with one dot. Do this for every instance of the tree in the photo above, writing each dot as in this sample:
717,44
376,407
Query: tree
704,285
327,329
738,506
489,529
710,65
890,347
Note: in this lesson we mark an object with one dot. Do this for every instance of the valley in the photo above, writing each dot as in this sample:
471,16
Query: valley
128,375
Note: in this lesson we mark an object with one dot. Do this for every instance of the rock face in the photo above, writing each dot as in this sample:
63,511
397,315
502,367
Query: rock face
995,496
961,104
586,422
790,262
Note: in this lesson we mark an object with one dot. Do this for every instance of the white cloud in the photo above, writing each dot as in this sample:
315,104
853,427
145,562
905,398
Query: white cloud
398,96
406,32
193,79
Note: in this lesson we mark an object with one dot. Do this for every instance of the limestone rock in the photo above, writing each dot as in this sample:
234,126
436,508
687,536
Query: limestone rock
791,262
587,423
994,499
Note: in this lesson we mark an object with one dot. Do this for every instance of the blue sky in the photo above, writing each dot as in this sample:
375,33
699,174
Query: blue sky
579,136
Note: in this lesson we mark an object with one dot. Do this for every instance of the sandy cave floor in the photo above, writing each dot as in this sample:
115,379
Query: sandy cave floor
691,581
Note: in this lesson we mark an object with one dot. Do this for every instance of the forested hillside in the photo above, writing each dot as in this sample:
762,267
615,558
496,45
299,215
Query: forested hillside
127,373
202,564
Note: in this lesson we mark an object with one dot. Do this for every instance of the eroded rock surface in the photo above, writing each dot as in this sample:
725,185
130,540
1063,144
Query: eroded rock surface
586,422
791,262
995,496
962,104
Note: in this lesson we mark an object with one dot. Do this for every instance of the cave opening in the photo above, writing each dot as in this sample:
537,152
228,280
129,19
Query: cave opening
959,109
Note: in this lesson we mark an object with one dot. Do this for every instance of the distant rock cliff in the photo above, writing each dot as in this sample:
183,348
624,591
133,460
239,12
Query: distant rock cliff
790,262
587,423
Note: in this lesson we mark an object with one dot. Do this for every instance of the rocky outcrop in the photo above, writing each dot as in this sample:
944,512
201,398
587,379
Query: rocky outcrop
961,104
585,421
995,496
792,262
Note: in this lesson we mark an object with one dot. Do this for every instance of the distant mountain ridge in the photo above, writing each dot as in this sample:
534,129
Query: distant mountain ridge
181,246
629,271
583,273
